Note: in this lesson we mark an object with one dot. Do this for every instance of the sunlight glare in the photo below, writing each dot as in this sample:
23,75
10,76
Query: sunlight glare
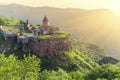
116,10
115,7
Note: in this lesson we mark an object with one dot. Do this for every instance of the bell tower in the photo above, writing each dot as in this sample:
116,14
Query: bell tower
45,21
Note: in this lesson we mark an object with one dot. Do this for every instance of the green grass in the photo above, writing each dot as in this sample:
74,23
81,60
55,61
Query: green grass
56,36
77,59
68,60
4,21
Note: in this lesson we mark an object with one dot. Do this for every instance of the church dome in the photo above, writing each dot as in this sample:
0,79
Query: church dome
45,19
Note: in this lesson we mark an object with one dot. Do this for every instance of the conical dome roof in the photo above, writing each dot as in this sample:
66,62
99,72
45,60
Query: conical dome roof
45,19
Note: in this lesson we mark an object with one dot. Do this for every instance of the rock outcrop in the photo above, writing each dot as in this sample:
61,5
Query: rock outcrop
47,47
109,60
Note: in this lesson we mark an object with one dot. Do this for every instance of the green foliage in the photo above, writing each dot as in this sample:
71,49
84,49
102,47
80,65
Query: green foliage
94,51
13,69
70,61
8,21
77,64
1,22
104,72
55,75
73,65
21,31
76,75
28,68
22,22
36,26
56,36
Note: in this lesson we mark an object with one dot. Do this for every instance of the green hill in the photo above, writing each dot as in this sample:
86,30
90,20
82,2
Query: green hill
99,26
94,51
8,21
80,63
73,65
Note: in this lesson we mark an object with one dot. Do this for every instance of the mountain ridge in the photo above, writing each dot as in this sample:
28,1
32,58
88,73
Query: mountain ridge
99,26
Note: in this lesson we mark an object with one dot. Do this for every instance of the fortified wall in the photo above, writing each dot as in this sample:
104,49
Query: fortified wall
47,47
46,41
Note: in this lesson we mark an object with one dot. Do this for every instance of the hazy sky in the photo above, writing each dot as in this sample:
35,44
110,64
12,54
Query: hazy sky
85,4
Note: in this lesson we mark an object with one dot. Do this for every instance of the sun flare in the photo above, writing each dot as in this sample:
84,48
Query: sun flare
114,6
115,10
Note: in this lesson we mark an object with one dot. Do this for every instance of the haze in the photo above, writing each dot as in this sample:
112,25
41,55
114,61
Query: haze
99,26
84,4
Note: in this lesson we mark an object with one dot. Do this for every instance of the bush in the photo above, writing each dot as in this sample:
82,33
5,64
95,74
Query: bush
8,21
104,72
13,69
55,75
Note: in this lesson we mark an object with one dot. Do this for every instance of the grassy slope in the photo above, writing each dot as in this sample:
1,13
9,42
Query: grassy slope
94,51
81,58
8,21
56,36
73,60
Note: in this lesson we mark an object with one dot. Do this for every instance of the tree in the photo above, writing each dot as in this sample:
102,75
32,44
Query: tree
104,72
76,75
54,75
13,69
1,21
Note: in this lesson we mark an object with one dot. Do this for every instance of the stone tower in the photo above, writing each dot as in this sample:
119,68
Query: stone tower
27,21
26,25
45,21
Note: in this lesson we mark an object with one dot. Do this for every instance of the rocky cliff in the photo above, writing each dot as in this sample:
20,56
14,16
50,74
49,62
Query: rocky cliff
47,47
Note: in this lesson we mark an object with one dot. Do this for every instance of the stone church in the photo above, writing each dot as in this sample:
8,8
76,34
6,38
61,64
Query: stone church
46,29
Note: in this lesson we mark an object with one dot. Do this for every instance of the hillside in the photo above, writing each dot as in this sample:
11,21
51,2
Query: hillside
99,26
73,65
51,56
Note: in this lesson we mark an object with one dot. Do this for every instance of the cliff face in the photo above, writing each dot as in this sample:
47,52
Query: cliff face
47,47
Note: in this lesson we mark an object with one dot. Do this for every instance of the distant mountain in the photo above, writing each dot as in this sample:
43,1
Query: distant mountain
99,26
35,14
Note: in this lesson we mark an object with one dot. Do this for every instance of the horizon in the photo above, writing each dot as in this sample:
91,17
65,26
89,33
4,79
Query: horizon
53,6
62,7
86,4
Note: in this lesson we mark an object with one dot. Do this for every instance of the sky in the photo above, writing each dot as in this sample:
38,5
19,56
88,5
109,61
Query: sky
114,5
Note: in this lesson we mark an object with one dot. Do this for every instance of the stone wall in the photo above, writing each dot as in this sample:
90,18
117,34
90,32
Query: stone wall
4,48
47,47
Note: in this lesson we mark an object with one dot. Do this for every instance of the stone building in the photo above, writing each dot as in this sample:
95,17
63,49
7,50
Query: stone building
10,36
32,43
24,41
27,26
46,47
46,29
45,21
